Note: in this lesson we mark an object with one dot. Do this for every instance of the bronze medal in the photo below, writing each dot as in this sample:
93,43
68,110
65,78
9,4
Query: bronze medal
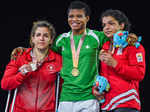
75,72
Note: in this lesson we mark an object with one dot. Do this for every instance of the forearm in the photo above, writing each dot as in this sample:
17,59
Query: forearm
12,78
12,82
130,72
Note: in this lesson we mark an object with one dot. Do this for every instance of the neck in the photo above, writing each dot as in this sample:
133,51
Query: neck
40,53
111,45
78,32
111,39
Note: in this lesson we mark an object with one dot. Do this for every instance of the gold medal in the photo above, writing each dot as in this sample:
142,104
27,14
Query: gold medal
75,54
75,72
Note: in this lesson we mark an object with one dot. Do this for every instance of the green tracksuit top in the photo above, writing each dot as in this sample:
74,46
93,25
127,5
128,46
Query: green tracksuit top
80,87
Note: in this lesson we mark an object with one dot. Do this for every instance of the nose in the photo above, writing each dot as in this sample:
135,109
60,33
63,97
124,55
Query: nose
75,18
107,26
41,37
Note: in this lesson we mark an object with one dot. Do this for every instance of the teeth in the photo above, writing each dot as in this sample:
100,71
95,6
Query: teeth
74,24
108,32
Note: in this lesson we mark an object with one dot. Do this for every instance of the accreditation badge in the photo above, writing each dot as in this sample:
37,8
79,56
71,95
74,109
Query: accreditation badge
139,57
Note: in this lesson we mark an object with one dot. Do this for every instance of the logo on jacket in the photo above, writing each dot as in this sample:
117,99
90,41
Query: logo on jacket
87,46
51,68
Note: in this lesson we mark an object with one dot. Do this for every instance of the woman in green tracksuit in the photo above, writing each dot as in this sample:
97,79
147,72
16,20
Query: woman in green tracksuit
79,49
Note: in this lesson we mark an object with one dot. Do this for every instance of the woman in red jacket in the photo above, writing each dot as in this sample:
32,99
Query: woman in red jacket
34,72
123,67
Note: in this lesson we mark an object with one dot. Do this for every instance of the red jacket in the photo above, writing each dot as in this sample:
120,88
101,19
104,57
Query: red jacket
124,78
36,90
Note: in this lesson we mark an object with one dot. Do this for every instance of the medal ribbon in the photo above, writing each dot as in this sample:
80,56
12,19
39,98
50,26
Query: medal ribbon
75,54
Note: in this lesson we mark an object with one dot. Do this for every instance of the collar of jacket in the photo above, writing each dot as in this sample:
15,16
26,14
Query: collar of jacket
51,55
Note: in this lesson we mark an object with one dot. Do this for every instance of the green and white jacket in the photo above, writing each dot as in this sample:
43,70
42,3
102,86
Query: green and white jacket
79,88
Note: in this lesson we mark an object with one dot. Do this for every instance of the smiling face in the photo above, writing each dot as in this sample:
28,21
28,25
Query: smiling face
77,20
41,38
111,26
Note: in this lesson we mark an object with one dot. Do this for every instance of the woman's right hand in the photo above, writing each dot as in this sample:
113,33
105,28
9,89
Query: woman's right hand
25,69
28,67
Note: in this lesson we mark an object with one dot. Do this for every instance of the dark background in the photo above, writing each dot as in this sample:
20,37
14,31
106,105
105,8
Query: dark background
16,21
